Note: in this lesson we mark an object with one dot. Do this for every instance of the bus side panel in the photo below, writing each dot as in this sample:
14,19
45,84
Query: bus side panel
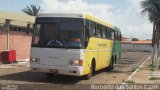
105,53
117,51
99,50
89,55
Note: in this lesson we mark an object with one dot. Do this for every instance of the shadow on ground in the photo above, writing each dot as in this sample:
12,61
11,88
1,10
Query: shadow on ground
40,78
36,77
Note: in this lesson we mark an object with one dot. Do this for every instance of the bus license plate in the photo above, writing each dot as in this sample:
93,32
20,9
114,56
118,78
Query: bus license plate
53,70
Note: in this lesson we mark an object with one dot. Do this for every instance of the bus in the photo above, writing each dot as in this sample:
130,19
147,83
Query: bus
74,44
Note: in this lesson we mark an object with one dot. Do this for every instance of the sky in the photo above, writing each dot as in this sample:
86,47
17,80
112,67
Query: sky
124,14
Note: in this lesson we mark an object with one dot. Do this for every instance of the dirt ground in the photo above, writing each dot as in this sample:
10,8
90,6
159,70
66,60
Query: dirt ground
144,73
22,74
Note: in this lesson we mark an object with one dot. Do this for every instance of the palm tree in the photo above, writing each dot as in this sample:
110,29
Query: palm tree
152,9
32,10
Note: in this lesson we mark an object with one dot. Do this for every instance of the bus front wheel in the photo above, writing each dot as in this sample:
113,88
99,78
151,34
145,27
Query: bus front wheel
88,76
49,75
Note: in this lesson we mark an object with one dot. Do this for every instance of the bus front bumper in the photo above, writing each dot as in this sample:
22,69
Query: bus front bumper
64,70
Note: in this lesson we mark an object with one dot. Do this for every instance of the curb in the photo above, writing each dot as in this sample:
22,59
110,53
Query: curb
130,77
19,64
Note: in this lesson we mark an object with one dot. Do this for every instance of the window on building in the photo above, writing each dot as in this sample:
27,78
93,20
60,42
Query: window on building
23,29
19,29
10,28
1,26
14,28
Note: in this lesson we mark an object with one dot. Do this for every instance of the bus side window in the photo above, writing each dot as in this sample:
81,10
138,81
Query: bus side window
115,35
98,30
112,35
119,36
86,30
104,32
109,33
93,28
87,35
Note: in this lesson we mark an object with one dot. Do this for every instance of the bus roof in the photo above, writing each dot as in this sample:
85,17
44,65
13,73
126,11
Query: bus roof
117,29
92,18
78,15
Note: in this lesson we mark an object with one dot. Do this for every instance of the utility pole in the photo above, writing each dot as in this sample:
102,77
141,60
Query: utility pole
6,27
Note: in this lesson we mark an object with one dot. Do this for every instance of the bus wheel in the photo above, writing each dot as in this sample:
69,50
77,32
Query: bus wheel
88,76
111,66
49,75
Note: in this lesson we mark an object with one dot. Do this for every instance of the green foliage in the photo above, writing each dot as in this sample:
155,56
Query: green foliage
32,10
135,39
129,81
133,68
154,78
151,8
152,67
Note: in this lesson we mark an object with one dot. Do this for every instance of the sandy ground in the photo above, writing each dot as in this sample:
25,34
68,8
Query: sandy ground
21,74
143,75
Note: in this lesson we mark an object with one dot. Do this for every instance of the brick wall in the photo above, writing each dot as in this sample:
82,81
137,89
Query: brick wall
19,41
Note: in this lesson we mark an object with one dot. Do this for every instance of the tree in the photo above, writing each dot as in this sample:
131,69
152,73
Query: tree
151,8
32,10
135,39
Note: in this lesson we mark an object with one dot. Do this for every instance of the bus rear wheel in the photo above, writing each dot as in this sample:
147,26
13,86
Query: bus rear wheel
111,65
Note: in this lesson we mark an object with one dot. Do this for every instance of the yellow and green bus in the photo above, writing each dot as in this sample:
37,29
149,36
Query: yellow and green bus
74,44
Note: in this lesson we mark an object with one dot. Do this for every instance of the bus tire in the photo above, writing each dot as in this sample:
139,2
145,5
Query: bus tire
111,65
49,75
88,76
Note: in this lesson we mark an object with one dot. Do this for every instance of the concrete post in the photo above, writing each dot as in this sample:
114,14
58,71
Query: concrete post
6,27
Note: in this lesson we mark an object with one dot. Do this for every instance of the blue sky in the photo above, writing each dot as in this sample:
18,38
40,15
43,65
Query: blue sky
123,13
18,5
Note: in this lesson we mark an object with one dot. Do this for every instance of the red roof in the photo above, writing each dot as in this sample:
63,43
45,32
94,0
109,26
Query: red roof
138,42
142,42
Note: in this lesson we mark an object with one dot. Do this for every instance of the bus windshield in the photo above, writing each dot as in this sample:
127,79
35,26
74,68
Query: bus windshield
58,33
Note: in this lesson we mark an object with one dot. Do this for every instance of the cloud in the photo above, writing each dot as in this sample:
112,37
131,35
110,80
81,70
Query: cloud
143,28
130,20
135,3
72,6
143,31
61,6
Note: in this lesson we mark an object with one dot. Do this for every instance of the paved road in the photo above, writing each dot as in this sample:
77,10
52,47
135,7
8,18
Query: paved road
22,75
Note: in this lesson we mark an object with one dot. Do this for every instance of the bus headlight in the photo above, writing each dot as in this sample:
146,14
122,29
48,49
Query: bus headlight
35,60
76,62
